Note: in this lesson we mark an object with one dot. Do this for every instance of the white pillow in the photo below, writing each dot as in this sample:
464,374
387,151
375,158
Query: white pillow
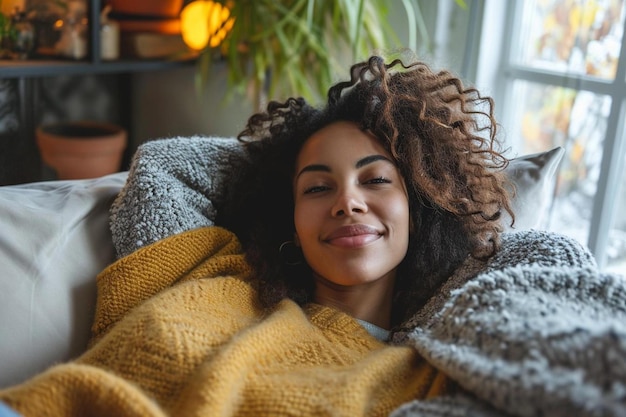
54,239
534,178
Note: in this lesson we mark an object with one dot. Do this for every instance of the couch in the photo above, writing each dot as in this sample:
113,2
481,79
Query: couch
55,237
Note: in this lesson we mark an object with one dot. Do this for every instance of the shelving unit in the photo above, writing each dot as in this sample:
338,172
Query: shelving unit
50,68
92,64
28,72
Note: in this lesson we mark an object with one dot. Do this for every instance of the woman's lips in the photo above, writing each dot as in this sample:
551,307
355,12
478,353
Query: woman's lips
353,235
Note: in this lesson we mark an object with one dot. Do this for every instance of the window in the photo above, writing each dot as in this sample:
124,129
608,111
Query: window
562,82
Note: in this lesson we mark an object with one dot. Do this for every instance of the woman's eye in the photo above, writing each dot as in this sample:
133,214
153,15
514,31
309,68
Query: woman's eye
378,180
315,189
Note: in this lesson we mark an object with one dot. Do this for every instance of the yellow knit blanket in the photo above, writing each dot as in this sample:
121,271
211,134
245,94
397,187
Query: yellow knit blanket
178,331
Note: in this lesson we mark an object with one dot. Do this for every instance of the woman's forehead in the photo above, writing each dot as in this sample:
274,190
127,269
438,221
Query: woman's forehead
340,141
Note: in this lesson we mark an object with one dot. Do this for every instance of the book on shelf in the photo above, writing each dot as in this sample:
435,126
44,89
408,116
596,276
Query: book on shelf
151,45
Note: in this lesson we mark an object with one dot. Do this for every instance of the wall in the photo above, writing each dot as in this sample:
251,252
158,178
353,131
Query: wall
166,103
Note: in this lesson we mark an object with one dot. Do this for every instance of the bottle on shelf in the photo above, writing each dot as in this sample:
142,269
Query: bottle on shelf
109,36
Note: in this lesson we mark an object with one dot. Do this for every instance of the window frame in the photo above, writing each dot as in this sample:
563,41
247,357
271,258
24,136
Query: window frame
614,143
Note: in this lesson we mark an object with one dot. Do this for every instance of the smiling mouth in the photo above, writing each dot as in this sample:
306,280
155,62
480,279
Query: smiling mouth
353,236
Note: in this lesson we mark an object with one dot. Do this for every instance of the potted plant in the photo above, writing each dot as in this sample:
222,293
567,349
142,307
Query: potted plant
81,149
292,47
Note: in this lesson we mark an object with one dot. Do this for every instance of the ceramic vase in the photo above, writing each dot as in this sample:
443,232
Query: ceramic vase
78,150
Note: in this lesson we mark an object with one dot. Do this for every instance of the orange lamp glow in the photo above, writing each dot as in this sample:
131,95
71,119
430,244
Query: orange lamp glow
204,22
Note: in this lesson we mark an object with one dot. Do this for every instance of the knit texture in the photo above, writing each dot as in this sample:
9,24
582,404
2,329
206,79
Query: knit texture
538,330
173,185
179,332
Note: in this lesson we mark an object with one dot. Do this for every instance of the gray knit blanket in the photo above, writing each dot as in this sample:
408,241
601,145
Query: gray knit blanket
536,331
173,185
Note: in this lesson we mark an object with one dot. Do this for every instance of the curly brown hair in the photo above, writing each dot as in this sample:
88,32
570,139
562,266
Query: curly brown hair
442,136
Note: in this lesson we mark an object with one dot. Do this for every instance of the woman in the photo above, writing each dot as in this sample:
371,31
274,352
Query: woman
358,210
440,137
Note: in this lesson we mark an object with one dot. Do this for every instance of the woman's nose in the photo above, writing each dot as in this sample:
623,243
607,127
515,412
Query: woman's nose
348,202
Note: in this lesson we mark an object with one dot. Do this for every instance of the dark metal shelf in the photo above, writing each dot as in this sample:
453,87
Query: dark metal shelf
47,68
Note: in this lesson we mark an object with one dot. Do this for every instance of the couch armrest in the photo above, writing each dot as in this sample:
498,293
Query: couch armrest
54,240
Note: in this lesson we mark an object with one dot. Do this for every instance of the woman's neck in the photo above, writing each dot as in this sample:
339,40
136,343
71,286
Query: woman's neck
370,302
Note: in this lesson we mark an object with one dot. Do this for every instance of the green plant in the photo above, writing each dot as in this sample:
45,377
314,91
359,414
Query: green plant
281,48
8,33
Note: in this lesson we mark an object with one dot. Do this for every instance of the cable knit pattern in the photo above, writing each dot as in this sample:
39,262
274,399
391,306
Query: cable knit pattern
194,341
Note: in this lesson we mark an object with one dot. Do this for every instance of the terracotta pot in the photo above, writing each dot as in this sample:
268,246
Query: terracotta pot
155,8
77,150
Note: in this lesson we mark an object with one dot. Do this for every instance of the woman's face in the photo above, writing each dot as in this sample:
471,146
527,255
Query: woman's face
351,207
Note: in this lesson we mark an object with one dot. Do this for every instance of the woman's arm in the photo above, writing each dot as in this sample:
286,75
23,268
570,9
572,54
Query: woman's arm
200,253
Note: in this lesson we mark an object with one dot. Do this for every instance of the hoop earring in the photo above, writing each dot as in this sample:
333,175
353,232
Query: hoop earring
290,253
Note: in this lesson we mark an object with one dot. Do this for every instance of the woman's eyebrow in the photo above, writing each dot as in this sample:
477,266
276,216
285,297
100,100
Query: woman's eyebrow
372,158
359,164
313,167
